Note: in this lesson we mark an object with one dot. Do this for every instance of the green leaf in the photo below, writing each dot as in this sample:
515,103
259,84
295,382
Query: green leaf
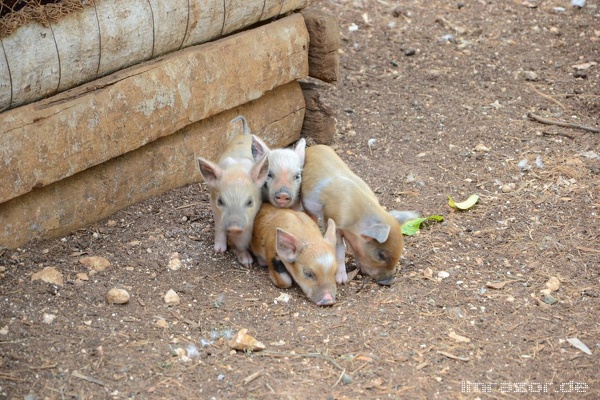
411,227
465,205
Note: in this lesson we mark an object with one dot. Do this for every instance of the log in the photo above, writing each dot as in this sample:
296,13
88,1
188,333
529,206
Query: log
52,139
153,169
323,54
109,35
319,120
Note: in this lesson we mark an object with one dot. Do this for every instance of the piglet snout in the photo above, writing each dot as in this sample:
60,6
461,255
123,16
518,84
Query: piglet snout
235,230
386,281
283,198
327,300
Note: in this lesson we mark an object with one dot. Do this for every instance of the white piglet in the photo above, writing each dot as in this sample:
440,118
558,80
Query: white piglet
282,186
235,192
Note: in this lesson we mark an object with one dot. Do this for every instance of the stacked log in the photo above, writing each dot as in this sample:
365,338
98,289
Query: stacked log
81,155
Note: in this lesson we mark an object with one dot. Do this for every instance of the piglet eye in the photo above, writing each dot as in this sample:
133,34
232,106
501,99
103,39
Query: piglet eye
298,177
250,202
269,175
308,274
220,202
381,255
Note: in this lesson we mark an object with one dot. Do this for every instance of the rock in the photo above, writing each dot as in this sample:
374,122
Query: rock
95,262
162,323
482,148
48,318
4,330
410,52
244,342
508,187
172,298
174,262
529,76
48,275
553,284
82,276
117,296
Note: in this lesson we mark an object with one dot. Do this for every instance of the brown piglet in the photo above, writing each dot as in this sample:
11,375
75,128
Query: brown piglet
291,244
235,193
331,190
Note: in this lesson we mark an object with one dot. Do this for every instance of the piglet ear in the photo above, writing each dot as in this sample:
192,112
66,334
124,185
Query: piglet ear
330,234
259,148
287,246
260,169
300,150
210,171
403,216
379,232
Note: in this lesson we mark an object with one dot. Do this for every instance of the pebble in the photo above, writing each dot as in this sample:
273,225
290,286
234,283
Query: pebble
117,296
162,323
48,318
96,263
174,262
482,148
529,76
48,275
410,52
172,298
508,187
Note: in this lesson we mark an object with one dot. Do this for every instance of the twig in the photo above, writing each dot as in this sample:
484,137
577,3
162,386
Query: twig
558,134
560,123
339,379
79,375
452,356
10,377
547,96
251,377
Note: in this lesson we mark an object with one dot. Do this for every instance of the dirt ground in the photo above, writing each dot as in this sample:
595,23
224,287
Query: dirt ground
445,88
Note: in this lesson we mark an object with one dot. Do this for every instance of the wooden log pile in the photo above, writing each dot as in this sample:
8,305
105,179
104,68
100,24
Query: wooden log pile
81,155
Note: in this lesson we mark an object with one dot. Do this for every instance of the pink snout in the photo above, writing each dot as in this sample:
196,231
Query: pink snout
283,198
326,300
235,230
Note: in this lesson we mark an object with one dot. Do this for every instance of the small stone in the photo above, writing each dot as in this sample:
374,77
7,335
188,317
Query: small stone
529,76
82,276
4,330
443,274
111,223
410,52
95,262
117,296
172,298
48,275
482,148
162,323
508,187
48,318
553,284
244,342
174,262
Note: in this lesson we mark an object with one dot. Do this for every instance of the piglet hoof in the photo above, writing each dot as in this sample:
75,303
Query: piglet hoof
220,248
245,258
341,277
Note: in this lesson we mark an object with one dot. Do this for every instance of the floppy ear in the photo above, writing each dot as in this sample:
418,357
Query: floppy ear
260,169
287,246
210,171
378,232
330,235
300,150
259,148
403,216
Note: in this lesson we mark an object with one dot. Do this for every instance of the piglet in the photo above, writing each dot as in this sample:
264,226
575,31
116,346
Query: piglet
331,190
290,243
235,192
282,187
